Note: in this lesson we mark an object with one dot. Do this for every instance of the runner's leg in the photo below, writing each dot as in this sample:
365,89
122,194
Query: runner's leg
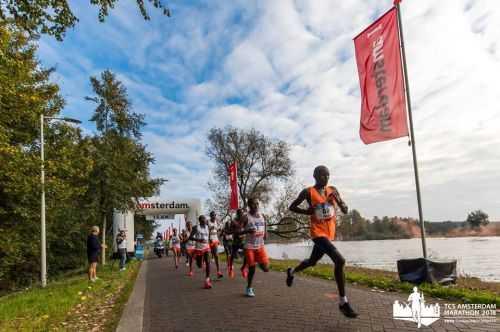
251,273
207,264
316,255
216,257
189,255
338,260
199,260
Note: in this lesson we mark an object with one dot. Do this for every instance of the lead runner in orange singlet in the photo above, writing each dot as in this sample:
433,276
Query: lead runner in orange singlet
323,200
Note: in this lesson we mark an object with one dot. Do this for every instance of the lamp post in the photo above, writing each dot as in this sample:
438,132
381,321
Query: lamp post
43,271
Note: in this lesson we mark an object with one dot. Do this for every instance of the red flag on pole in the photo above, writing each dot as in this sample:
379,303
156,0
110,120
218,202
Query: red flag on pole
233,182
383,105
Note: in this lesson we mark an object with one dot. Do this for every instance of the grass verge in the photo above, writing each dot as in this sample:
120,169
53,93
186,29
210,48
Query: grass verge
71,304
467,290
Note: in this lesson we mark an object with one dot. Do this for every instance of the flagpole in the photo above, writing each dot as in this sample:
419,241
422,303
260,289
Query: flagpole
412,139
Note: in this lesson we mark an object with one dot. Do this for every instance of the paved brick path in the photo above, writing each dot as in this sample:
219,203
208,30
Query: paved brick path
174,302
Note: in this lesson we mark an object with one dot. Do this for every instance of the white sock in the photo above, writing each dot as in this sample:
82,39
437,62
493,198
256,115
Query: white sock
343,299
292,271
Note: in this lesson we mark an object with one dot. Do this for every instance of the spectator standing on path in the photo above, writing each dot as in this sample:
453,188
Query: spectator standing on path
255,251
93,250
322,200
121,241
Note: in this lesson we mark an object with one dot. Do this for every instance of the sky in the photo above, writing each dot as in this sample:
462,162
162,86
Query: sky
287,68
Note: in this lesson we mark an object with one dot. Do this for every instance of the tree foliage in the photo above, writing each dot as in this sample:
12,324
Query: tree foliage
25,93
477,218
261,161
353,226
73,166
121,172
55,17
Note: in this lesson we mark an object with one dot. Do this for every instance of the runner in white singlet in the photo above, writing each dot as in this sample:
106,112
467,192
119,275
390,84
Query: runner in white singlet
190,246
213,226
200,235
176,247
255,251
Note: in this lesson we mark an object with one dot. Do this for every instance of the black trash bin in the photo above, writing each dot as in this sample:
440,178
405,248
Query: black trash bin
419,270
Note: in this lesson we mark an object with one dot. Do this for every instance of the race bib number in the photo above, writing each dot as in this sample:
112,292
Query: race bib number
324,211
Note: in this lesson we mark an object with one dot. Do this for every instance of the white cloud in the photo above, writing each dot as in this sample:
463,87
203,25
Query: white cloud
287,69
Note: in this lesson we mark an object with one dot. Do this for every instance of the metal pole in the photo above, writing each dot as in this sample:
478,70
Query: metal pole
43,264
413,147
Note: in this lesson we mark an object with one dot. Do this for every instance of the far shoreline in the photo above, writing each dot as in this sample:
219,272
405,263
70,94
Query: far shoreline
288,241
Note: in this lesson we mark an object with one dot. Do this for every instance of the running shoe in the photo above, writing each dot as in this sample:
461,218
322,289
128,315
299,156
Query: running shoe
220,275
289,277
208,284
190,274
244,272
249,292
347,310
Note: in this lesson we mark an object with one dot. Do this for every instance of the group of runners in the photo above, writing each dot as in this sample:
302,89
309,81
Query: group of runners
245,234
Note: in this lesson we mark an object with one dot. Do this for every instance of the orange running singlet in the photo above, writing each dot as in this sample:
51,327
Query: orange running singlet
323,220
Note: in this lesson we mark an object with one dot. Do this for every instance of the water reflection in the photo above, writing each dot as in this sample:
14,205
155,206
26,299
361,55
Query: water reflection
477,257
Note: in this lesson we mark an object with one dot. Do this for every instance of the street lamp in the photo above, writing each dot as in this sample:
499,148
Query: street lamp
43,240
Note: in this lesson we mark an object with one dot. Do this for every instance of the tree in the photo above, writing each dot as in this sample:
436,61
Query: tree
284,223
54,17
119,155
25,93
352,226
144,226
261,161
477,218
73,165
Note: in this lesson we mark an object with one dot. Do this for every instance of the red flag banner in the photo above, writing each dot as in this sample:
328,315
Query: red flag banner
233,182
383,106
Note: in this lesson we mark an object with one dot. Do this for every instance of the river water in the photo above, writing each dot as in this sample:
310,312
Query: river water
476,256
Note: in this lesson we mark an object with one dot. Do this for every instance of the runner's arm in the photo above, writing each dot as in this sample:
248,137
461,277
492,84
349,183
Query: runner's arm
342,205
303,196
245,230
193,233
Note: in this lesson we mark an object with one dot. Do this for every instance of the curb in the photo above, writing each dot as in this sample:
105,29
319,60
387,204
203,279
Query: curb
133,314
